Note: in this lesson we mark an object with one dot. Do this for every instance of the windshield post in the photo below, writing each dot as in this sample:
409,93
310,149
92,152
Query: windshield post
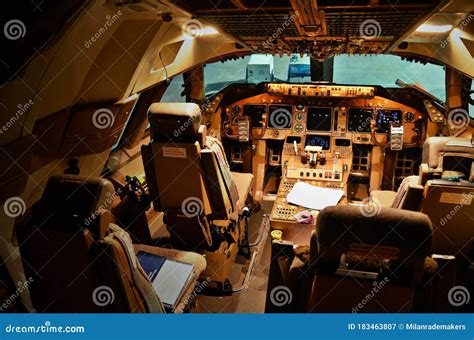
322,70
194,84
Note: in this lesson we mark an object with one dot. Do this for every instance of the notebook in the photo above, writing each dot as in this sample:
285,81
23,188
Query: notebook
170,278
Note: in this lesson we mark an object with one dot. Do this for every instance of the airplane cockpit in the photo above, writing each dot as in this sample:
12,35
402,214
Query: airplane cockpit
237,157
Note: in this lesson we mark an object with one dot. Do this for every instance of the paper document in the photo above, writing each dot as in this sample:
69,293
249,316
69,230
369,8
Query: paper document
171,281
313,197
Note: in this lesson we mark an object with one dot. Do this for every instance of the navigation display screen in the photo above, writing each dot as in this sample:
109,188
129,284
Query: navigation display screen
255,113
280,116
386,117
319,140
359,120
319,119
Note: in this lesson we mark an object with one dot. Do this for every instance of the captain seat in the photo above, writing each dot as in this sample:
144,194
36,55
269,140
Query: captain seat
189,180
447,170
80,262
365,263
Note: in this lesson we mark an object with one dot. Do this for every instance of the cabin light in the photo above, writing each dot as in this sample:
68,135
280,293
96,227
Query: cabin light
193,29
209,31
428,28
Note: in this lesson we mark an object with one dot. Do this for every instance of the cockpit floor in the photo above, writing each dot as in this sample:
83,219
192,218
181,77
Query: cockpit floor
251,300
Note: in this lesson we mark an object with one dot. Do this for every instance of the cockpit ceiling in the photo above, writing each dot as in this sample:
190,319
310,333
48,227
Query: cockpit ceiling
321,28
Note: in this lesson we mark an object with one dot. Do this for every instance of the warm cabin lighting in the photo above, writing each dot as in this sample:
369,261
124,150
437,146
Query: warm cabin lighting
428,28
209,31
193,29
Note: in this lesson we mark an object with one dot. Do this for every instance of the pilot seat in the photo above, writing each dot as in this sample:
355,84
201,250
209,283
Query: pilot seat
367,263
189,180
79,262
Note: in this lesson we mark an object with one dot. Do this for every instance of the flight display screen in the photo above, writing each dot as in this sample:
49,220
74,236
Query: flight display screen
319,140
255,113
280,116
386,117
319,119
359,120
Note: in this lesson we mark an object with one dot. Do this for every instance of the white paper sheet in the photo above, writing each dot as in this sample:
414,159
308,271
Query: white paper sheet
313,197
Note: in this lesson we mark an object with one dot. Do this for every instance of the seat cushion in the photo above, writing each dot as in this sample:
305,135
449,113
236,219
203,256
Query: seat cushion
195,259
384,197
243,181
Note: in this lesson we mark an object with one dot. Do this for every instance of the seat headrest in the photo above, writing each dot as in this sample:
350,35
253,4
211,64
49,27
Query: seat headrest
174,121
434,147
403,235
72,203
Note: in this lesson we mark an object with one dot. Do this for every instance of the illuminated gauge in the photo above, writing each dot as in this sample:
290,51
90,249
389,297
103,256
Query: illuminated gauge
300,106
235,110
299,128
299,117
409,116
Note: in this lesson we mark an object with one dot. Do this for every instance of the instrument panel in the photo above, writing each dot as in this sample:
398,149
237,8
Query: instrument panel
353,112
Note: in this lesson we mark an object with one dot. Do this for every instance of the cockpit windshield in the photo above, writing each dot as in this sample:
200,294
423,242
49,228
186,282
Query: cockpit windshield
381,70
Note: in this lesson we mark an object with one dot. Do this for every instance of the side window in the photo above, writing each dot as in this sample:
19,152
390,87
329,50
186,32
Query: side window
174,90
